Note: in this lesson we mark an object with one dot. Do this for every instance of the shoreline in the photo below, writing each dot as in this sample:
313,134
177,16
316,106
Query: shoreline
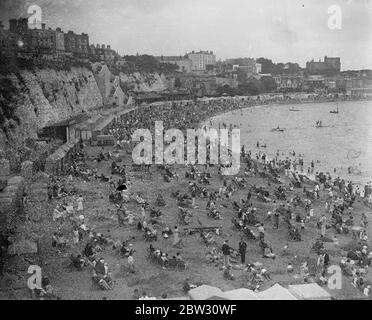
100,214
343,175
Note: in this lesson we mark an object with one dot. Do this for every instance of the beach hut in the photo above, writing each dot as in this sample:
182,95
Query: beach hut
276,292
239,294
309,291
106,140
204,292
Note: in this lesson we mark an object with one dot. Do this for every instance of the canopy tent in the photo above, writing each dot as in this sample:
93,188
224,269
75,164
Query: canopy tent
178,298
276,292
130,101
204,292
309,291
239,294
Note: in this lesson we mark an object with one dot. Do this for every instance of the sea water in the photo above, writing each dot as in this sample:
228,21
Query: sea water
343,143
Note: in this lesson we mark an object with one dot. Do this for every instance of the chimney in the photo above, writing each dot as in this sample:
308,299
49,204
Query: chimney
43,26
23,24
13,25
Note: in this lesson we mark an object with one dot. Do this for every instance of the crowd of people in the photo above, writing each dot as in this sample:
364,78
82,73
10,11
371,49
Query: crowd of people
296,203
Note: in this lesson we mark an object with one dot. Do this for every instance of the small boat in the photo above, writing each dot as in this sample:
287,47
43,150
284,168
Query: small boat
277,130
319,124
293,109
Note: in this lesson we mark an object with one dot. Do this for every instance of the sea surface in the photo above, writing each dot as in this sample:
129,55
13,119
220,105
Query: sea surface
344,141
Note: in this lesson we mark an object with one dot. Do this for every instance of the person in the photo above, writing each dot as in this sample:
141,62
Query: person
143,296
193,196
121,211
323,262
76,235
268,252
99,268
164,260
187,286
228,274
323,224
88,250
226,253
131,262
242,250
276,219
367,290
317,190
130,218
176,234
302,224
289,267
136,294
261,232
335,241
304,271
179,257
80,207
143,212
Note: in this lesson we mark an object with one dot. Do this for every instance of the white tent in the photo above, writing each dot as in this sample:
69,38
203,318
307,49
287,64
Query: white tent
178,298
130,101
276,292
204,292
309,291
239,294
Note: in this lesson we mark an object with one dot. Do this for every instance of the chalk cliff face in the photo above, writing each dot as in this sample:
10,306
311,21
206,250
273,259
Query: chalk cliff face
48,96
147,82
58,95
111,86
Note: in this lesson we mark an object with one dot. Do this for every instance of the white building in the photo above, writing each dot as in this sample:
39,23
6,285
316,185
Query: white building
200,60
258,67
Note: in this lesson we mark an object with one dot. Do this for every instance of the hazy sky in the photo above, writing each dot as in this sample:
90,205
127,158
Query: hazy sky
282,30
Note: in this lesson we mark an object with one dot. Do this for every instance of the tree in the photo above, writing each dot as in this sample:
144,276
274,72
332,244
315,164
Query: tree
267,65
177,83
226,89
251,87
268,84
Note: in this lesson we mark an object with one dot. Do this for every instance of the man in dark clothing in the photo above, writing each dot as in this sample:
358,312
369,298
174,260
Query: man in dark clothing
88,250
242,250
226,253
276,219
100,267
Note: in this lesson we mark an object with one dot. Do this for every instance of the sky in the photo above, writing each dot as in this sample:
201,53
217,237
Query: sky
281,30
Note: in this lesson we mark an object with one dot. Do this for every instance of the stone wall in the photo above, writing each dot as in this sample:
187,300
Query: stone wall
56,163
11,204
